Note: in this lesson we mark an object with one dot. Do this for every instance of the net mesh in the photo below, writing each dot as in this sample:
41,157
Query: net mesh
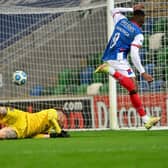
59,44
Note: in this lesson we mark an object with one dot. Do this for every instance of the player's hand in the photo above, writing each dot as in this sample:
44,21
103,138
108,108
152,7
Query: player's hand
147,77
63,134
138,6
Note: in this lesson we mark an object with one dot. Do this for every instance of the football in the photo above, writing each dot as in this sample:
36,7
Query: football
19,77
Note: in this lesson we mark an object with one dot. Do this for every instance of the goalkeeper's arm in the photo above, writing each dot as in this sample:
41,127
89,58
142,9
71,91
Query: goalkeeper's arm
57,123
58,131
62,134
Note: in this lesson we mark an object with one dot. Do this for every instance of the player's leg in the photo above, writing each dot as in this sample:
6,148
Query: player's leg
8,133
136,102
39,136
127,82
125,76
121,72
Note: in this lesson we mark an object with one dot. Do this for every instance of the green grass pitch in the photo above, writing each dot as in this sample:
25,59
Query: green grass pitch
92,149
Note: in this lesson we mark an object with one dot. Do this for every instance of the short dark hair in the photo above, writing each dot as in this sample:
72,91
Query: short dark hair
139,13
59,109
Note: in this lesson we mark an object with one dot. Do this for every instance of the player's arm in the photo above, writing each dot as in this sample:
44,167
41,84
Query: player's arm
117,13
135,57
58,131
55,126
57,120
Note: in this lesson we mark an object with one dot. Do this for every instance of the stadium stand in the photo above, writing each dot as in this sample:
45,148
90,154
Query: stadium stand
36,28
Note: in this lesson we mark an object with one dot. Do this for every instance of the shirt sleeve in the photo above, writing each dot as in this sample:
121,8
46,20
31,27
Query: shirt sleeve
53,119
56,126
117,13
135,57
138,41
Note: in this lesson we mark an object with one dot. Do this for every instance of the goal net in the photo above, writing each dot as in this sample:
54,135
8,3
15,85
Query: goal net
60,43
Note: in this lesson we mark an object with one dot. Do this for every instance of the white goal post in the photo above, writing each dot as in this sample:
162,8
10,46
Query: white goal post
112,81
59,46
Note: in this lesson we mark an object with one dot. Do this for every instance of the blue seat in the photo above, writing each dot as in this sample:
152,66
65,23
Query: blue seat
86,75
149,68
148,26
157,85
142,53
143,86
36,90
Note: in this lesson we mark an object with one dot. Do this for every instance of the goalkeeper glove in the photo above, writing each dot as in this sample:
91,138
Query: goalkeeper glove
62,134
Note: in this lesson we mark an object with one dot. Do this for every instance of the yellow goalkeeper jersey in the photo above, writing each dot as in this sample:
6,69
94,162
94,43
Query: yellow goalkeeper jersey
29,124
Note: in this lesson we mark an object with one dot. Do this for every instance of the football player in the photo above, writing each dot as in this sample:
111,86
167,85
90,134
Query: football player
19,124
127,37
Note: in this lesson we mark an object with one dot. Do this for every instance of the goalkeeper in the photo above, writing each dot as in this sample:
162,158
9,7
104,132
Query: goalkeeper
19,124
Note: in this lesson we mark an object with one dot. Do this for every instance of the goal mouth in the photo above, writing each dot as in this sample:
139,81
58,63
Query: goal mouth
59,47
